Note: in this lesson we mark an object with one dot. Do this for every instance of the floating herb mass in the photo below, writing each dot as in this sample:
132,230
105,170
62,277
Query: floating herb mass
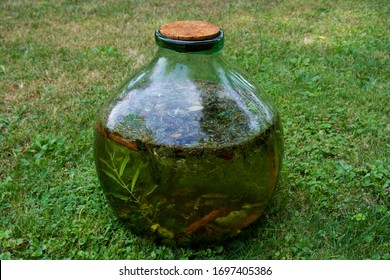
188,151
170,115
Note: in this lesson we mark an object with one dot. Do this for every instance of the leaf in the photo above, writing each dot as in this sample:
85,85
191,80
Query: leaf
306,61
107,147
213,195
117,195
123,165
135,177
114,178
106,163
148,192
257,205
195,108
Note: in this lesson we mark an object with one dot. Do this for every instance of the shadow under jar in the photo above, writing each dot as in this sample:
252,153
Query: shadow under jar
188,150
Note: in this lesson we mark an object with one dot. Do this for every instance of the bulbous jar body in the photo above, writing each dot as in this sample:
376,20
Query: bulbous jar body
188,150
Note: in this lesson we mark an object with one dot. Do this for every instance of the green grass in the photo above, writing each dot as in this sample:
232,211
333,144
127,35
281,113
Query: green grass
325,63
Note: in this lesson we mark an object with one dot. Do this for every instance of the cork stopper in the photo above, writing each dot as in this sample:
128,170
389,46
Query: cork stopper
190,30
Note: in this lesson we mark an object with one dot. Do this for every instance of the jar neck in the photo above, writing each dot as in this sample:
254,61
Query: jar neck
209,46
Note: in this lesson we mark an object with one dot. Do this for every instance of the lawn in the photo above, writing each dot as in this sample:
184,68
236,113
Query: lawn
325,64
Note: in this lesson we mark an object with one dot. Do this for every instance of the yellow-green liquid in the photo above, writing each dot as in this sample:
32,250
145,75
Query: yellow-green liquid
189,195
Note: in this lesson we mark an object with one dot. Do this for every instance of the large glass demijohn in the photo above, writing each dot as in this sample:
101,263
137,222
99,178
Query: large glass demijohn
188,149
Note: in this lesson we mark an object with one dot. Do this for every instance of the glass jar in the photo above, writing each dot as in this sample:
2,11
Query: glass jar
188,150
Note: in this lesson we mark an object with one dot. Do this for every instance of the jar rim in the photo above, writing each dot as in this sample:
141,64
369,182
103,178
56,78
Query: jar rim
213,45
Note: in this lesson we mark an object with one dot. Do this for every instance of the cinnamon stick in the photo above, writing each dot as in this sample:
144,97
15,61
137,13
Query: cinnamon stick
195,226
116,138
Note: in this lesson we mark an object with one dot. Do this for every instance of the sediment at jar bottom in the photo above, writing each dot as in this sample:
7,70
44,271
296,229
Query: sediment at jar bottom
186,196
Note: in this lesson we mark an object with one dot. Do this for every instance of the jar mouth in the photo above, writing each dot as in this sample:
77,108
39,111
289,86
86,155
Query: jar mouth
212,45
